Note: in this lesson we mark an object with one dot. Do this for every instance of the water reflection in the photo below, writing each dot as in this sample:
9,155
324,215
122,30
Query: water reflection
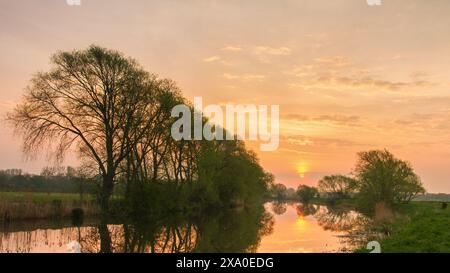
225,231
276,227
305,209
298,230
278,207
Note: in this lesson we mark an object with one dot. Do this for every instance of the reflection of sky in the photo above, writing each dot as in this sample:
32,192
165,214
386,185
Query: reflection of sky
55,240
39,241
348,77
294,234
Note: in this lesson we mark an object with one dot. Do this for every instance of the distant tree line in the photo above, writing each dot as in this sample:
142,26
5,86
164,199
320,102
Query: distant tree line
433,197
51,180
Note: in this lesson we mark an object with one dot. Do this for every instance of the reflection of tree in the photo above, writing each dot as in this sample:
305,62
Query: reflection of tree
357,228
149,237
234,231
305,209
225,231
174,239
335,218
105,238
278,207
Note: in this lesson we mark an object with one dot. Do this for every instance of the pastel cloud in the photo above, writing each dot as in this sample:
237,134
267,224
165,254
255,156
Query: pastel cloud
267,50
338,119
212,59
243,77
333,61
232,48
299,141
349,83
340,73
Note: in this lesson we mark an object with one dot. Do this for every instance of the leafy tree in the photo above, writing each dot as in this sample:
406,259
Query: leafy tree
278,191
119,117
383,178
306,193
94,99
337,186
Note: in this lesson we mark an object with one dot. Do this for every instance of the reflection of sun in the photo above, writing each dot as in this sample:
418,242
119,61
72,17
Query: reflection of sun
301,222
302,169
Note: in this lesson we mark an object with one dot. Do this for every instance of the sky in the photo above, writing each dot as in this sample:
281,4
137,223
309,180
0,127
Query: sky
348,77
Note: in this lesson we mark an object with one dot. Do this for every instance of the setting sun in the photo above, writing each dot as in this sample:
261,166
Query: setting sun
302,169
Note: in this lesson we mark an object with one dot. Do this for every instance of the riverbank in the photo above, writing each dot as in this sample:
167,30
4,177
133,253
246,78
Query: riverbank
422,227
27,205
416,227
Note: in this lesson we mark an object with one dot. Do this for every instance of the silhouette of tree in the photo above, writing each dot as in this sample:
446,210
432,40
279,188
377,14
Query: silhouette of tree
95,99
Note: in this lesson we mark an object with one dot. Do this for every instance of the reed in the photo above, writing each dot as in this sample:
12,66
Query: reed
30,206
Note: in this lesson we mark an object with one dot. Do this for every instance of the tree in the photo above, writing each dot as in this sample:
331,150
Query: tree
95,99
337,186
306,193
279,191
119,118
383,178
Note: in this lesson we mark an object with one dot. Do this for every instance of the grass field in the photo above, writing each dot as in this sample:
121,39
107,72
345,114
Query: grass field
423,228
31,205
39,197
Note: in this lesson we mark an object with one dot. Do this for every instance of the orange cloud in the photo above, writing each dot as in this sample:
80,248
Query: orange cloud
212,59
267,50
244,77
232,48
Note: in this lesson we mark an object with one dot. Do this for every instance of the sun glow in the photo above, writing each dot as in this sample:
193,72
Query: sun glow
302,169
300,223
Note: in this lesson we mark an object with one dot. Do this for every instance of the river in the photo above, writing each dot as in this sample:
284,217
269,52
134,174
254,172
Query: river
274,227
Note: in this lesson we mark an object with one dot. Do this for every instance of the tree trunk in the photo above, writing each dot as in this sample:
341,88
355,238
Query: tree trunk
107,189
105,238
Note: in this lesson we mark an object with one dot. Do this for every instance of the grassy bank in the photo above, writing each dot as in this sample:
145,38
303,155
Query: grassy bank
24,206
421,227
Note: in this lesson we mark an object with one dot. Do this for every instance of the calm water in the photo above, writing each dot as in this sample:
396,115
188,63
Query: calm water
276,227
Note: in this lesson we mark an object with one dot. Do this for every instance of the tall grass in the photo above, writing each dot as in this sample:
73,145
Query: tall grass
24,206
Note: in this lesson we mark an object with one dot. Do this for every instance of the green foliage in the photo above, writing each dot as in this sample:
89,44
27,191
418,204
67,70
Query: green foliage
229,175
120,118
39,198
240,178
380,178
336,187
278,191
422,229
306,193
383,178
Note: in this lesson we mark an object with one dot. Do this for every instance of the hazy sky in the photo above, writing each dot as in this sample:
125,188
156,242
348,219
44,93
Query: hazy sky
348,77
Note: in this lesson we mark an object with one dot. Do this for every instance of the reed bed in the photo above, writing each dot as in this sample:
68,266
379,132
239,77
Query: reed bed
25,206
